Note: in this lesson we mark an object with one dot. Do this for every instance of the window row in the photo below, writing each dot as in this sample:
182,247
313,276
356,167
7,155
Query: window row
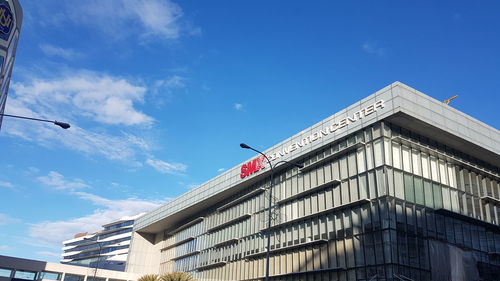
191,231
180,250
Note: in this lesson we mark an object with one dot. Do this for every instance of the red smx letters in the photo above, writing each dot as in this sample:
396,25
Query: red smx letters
253,166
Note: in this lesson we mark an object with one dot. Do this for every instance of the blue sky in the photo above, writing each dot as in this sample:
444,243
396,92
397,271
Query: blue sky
160,93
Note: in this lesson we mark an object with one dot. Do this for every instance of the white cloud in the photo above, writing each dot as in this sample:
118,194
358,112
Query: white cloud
373,48
159,18
121,19
165,167
57,181
163,90
123,147
238,106
174,81
6,184
52,233
6,219
221,170
103,98
54,51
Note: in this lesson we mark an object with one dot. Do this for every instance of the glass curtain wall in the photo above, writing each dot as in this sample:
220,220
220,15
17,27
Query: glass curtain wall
373,206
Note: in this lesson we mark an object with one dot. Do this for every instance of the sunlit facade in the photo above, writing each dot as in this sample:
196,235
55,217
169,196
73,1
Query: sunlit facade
396,187
11,17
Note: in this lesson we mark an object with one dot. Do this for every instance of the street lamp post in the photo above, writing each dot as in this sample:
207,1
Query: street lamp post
60,124
98,256
269,212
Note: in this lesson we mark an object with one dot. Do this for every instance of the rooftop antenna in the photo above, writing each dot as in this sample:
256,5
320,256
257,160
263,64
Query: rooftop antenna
448,100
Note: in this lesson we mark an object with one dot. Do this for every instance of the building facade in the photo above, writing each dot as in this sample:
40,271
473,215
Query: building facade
11,18
398,186
107,249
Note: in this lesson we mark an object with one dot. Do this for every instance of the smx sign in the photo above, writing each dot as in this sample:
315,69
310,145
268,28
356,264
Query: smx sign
253,166
258,164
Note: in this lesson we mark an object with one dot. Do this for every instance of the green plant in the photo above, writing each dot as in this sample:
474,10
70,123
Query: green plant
149,277
176,276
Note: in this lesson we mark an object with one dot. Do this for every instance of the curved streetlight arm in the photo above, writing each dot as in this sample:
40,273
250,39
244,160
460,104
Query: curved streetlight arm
300,166
269,214
242,145
60,124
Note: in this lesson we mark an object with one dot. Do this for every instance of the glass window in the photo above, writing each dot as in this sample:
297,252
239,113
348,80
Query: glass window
385,181
360,154
446,197
419,191
442,172
438,197
314,178
50,276
330,228
351,161
369,156
396,155
474,185
329,198
322,228
377,130
454,201
425,165
429,202
434,169
398,185
372,187
335,170
415,162
353,188
409,188
336,195
5,272
71,277
26,275
328,172
451,175
406,159
343,167
295,213
387,152
363,190
344,186
377,149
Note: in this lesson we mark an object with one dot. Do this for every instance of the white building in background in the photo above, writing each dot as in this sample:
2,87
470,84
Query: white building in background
106,249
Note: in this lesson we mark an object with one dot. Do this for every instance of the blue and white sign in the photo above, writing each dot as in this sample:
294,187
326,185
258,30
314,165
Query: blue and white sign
6,20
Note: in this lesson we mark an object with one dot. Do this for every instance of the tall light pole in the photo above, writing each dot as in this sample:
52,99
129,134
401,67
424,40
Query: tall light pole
269,213
98,256
60,124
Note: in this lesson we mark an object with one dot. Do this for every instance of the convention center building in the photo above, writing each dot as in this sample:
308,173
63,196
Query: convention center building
398,186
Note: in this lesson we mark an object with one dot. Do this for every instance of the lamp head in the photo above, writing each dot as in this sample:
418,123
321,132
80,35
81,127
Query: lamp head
62,124
242,145
300,166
